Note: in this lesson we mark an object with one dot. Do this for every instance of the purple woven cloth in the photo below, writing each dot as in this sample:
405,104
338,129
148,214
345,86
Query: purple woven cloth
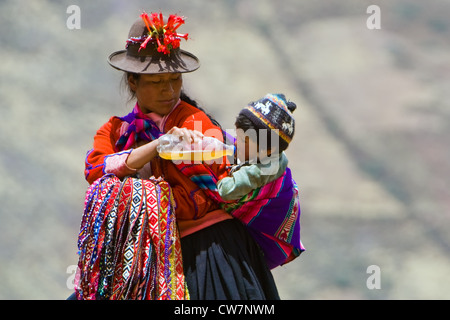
272,215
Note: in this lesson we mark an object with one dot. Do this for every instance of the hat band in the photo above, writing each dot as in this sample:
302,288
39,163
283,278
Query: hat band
134,47
136,50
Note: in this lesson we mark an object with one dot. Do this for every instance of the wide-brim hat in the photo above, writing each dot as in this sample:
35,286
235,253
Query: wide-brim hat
149,60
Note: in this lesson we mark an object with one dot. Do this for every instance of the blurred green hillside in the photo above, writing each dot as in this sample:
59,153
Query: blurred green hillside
370,154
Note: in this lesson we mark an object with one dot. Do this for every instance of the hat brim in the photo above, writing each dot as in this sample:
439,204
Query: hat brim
182,62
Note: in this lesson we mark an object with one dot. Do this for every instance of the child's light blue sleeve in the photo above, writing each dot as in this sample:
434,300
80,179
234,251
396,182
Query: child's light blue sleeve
241,182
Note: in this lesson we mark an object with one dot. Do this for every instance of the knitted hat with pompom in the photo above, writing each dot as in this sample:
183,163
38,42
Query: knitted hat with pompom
273,112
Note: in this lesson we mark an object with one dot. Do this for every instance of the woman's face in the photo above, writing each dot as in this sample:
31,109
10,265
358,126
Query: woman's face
157,92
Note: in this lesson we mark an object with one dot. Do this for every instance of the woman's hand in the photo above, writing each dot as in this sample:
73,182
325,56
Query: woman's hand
145,153
189,136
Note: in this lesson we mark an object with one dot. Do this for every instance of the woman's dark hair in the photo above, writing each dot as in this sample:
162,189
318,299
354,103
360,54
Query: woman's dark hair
125,84
183,96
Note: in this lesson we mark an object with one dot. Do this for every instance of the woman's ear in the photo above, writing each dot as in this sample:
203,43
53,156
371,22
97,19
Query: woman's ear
132,83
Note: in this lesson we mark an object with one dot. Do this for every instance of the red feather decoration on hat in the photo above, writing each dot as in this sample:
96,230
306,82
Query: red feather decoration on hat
165,35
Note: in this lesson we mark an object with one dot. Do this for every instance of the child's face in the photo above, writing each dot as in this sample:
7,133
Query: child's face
246,148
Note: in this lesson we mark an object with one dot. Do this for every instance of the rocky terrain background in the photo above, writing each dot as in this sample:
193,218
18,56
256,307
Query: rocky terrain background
370,154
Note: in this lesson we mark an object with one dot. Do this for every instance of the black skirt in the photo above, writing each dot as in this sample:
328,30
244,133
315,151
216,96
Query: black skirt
223,262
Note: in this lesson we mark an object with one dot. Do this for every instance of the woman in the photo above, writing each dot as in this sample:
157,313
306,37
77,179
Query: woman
220,258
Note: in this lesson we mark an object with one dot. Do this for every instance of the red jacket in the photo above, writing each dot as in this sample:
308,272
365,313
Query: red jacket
191,201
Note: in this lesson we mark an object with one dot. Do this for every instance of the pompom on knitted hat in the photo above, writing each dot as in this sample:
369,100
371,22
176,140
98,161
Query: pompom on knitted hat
273,112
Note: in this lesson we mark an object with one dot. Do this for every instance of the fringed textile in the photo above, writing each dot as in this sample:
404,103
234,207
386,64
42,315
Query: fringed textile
129,246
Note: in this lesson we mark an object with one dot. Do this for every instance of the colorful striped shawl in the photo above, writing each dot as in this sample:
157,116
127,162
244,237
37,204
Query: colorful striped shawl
272,215
140,127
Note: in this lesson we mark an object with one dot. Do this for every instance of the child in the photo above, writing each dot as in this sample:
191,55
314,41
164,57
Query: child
264,130
260,192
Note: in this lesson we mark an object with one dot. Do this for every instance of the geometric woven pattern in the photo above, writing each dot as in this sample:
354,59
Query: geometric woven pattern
129,245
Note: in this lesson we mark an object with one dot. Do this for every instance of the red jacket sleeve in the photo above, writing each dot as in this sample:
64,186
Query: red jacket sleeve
102,158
